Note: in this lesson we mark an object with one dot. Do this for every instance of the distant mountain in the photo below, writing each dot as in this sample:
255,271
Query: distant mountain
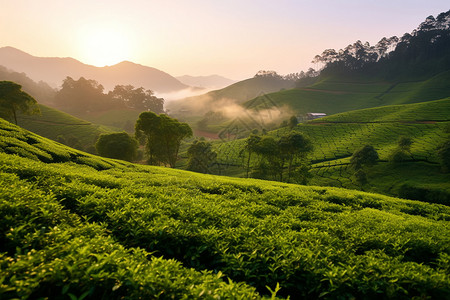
207,82
54,70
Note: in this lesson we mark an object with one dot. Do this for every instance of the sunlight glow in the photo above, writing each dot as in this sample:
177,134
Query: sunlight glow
101,46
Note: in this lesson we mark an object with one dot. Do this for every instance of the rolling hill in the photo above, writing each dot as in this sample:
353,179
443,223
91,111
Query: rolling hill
76,225
335,95
336,137
54,70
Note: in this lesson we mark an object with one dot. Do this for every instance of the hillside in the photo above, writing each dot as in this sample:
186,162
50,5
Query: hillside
77,225
40,91
54,70
333,95
59,126
336,137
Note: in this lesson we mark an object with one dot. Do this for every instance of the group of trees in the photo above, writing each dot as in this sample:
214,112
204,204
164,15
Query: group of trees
425,50
87,95
161,135
272,157
289,77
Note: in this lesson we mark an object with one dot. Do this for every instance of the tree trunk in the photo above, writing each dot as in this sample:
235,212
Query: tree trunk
14,114
248,162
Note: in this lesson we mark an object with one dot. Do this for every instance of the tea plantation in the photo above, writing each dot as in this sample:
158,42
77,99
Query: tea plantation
336,137
77,226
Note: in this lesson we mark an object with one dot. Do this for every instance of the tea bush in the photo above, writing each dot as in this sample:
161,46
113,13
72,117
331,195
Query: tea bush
77,229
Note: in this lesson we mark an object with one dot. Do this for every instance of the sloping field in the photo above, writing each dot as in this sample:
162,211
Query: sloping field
336,137
53,123
76,225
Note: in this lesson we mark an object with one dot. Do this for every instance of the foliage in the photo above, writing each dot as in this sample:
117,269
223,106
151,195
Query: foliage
13,100
293,121
82,95
274,154
251,146
422,51
163,136
86,96
117,145
404,143
294,146
403,151
200,156
364,156
444,155
399,155
146,232
136,98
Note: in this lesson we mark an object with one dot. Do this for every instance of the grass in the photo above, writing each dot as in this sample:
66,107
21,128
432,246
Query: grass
85,226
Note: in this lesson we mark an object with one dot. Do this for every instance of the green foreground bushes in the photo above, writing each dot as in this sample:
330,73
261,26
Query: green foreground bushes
123,230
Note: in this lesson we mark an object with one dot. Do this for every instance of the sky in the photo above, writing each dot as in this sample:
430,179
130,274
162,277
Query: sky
232,38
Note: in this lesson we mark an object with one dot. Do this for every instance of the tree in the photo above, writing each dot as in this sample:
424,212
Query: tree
147,130
14,100
403,150
365,156
294,146
201,156
163,136
270,163
293,121
250,147
117,145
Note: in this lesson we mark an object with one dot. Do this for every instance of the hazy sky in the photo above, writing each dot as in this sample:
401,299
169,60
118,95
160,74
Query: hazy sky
233,38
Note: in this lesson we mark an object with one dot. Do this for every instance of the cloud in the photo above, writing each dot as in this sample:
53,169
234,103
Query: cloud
182,94
263,115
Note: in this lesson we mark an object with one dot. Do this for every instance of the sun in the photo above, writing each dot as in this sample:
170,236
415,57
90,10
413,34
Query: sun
104,46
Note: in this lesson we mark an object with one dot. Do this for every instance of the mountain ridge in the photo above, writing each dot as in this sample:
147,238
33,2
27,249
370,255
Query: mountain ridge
54,70
213,81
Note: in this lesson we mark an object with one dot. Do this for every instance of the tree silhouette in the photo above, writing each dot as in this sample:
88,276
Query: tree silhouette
14,100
